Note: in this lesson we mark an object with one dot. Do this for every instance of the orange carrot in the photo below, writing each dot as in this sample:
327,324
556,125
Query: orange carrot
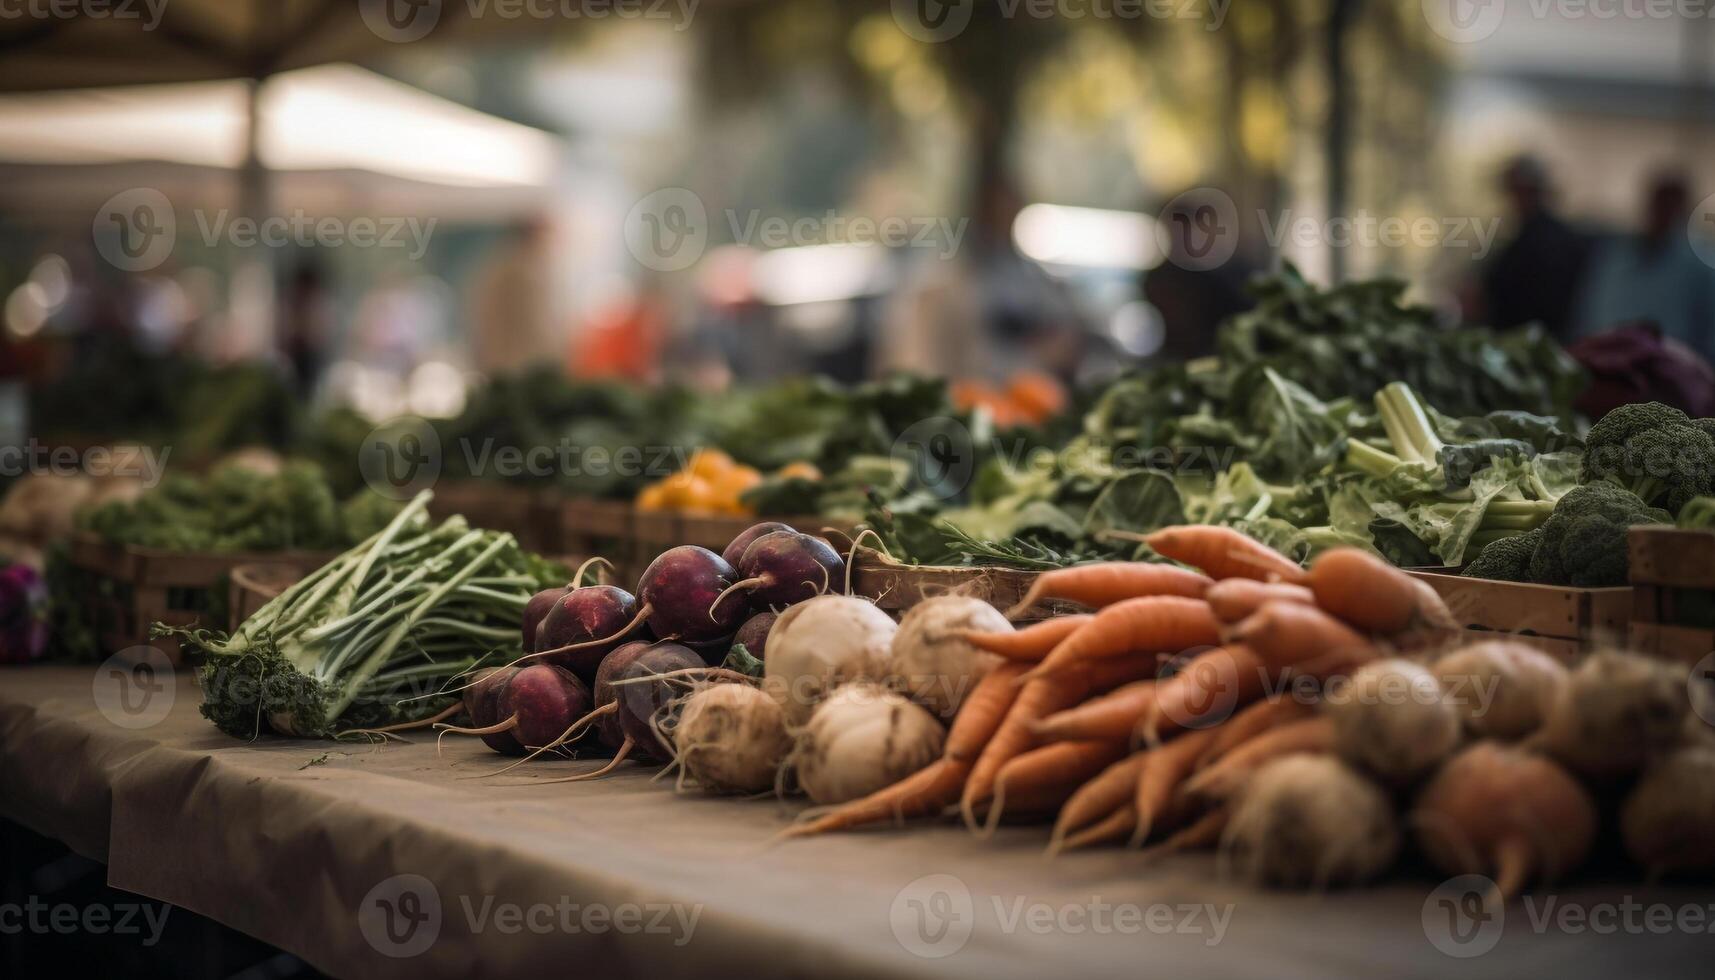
1097,798
1102,584
1232,599
930,789
1113,715
1036,699
1431,608
1205,832
1363,590
1152,624
1205,692
1222,779
1290,634
1224,553
1045,778
1163,770
1030,644
1116,826
1251,722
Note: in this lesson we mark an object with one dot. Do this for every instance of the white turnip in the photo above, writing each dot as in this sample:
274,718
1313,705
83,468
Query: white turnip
1616,712
1669,820
818,645
1502,689
1392,721
731,738
1310,821
862,738
932,662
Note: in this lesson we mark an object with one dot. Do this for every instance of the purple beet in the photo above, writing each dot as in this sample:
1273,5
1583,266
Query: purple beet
540,702
680,590
735,550
537,610
754,633
638,703
602,613
786,567
613,666
482,703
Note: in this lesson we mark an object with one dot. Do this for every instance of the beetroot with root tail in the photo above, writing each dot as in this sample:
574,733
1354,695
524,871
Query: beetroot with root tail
536,610
679,591
482,704
613,667
541,701
582,616
1507,813
735,550
754,634
638,702
784,567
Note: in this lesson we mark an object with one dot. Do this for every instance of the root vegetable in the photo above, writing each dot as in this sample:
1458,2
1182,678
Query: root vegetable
754,634
1233,599
930,656
1615,712
1507,813
816,646
731,738
536,610
1392,721
1224,553
1308,821
1104,583
576,620
785,567
531,706
1669,820
862,738
1030,644
1251,722
735,548
1226,777
1361,589
1502,689
1291,634
1163,770
1152,624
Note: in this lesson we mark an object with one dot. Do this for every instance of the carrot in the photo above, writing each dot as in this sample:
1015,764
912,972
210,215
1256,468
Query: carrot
1113,715
1231,600
1104,583
1151,624
1163,770
1030,644
1431,608
930,789
1114,827
1363,590
1251,722
1097,798
1048,776
1206,691
1224,553
1221,779
1289,634
1204,832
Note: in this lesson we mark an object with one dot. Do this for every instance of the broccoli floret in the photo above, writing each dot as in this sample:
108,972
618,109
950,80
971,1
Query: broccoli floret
1506,560
1655,451
1584,540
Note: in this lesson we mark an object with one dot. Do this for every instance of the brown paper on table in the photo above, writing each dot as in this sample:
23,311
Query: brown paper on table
247,834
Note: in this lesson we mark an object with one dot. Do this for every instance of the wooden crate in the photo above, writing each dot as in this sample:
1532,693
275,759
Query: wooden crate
1561,620
137,587
897,587
1673,592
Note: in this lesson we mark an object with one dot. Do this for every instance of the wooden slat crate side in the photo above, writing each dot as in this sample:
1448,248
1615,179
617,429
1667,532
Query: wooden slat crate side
1544,610
1680,644
1672,556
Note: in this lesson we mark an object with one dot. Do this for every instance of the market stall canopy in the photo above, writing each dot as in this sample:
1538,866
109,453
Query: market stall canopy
119,42
324,120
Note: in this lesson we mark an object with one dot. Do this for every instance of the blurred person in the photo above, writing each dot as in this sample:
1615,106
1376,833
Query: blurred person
1655,275
306,324
1534,276
1192,301
512,319
986,311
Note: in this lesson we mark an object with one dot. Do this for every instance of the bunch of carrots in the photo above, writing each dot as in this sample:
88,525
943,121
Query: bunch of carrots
1081,724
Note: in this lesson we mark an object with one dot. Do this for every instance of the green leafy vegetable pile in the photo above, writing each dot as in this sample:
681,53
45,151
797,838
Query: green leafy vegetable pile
374,636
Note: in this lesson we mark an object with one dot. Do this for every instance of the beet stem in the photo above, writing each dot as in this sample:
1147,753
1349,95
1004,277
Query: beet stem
745,583
406,726
642,614
618,757
494,729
